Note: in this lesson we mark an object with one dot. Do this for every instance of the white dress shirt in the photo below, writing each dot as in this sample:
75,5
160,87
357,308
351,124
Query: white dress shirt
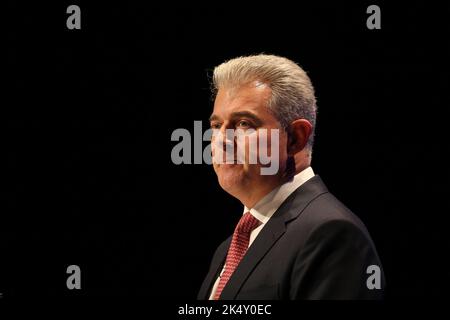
267,206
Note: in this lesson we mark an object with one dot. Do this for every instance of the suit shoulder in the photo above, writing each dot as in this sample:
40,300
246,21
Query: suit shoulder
327,210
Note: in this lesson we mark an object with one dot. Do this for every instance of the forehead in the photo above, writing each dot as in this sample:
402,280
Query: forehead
251,97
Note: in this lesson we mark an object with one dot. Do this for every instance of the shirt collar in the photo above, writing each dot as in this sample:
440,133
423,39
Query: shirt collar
267,206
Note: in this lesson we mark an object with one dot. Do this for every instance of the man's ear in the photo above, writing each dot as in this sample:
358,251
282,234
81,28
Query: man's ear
298,135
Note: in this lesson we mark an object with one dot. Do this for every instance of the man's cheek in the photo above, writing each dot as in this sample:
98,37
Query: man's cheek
269,151
247,147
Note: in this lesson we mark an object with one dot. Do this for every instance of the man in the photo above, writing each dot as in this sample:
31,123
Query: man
295,240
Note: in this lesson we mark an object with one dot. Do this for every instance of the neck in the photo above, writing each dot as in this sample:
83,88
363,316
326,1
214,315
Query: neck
254,191
261,188
250,199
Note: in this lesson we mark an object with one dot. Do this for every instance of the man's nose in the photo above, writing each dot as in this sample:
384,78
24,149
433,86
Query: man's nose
224,136
226,131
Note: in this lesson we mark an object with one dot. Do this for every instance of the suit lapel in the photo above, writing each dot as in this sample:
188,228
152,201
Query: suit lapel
214,271
271,232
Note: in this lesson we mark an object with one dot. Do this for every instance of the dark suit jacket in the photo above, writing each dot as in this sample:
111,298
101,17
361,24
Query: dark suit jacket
313,247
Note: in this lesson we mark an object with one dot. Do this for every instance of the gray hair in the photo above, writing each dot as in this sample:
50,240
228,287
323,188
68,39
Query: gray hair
292,91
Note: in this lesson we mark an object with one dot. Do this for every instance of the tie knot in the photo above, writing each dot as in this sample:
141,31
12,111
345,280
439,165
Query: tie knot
247,223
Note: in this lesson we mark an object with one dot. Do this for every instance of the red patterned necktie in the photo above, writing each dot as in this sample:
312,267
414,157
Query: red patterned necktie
238,248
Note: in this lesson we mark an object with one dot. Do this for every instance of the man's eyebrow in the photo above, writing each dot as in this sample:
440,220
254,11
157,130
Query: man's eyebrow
247,114
239,114
213,117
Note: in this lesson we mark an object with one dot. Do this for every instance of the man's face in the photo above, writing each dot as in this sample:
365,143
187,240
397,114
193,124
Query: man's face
245,108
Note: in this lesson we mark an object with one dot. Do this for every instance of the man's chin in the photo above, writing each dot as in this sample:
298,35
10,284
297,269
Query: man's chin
230,176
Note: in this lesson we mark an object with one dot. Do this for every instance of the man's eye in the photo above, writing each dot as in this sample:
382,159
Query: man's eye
215,125
243,124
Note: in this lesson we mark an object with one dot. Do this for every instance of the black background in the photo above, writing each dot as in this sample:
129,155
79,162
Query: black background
88,116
